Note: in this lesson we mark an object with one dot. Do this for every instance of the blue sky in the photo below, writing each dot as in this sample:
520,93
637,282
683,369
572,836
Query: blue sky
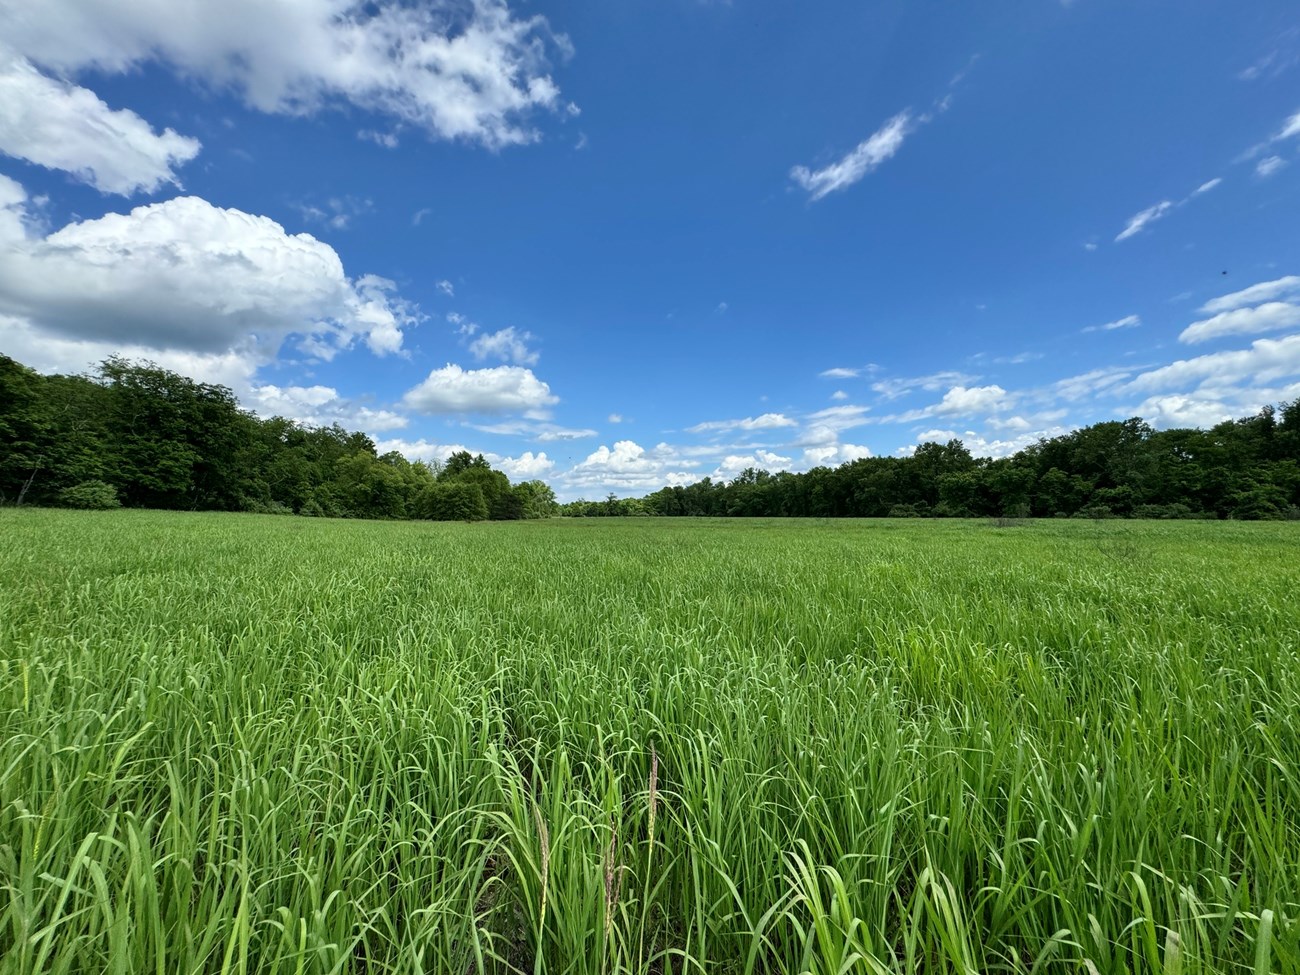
625,243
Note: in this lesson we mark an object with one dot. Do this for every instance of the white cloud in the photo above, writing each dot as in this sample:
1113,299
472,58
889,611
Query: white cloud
1265,361
508,345
1184,410
839,395
1207,186
1091,383
460,71
501,389
445,286
185,276
1290,128
1268,166
1128,321
387,140
865,157
629,466
319,406
894,388
1272,316
423,450
1089,246
962,400
766,460
615,418
1140,220
832,455
1264,291
767,421
839,372
527,466
336,212
540,431
61,126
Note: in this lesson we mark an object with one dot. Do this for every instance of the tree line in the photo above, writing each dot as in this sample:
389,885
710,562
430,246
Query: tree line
1247,468
137,435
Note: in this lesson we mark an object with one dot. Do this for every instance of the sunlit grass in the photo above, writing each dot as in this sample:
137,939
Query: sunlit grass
245,744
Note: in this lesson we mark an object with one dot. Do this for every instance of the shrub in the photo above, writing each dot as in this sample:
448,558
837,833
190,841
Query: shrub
92,495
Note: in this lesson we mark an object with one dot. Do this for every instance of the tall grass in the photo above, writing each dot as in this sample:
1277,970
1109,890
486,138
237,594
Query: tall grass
245,744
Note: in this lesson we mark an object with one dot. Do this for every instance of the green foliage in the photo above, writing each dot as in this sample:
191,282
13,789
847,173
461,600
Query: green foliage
92,495
452,501
164,441
287,746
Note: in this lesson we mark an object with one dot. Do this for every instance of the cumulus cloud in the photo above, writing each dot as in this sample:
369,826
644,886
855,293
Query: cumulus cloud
527,466
962,400
628,466
867,156
61,126
767,421
502,389
832,455
1272,316
459,70
508,345
1142,219
185,276
1128,321
319,406
767,460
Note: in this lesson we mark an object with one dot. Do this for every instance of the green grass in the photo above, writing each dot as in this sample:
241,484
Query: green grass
252,744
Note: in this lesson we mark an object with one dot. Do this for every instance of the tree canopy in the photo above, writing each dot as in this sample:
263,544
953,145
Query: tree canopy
1247,468
141,436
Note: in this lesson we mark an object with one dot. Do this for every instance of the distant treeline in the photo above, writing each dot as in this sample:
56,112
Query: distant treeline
1248,468
137,435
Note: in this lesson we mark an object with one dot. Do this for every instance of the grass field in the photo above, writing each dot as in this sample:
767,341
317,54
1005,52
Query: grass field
253,744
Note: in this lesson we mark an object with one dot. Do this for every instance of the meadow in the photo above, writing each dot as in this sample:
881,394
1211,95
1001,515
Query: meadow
243,743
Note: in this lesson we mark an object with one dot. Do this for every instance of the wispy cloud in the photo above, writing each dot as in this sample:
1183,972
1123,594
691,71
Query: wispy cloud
1269,165
866,157
1143,218
894,388
767,421
1128,321
1264,291
840,372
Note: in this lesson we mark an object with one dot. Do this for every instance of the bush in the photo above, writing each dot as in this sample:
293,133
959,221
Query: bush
92,495
312,509
904,511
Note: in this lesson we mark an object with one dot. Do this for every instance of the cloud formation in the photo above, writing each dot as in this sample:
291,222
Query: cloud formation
767,421
507,345
186,276
863,159
502,389
62,126
469,71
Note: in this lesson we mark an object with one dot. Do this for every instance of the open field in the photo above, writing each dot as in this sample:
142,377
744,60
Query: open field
255,744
